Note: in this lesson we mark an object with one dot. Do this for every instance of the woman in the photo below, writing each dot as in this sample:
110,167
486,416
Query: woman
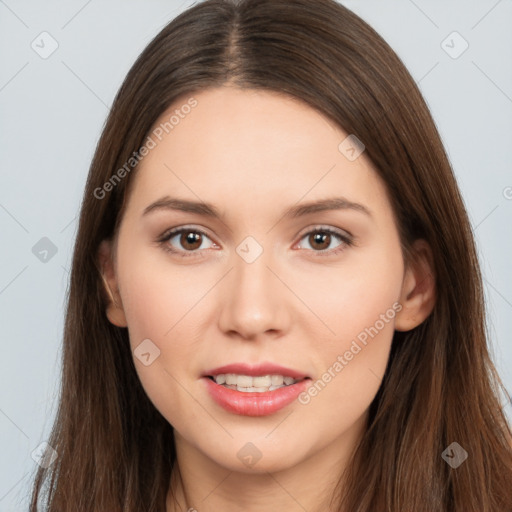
214,357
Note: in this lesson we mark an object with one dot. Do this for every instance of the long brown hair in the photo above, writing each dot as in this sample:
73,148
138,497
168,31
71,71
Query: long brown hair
115,450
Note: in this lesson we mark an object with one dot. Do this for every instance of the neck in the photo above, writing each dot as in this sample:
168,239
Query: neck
200,484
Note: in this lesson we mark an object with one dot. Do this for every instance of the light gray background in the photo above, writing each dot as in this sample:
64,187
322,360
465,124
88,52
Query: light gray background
52,111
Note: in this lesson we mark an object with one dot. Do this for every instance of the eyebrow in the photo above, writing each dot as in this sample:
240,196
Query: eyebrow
209,210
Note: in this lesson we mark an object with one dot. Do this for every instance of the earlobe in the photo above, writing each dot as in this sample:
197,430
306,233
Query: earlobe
114,307
418,294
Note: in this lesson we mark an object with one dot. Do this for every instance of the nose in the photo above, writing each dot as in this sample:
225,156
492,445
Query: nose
254,301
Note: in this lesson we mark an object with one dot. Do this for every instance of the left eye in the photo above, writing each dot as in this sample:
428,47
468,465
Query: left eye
321,235
191,240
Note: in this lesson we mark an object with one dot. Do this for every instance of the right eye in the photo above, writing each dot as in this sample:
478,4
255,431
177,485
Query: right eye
187,237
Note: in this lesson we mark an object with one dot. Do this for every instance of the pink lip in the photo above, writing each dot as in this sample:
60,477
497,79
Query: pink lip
255,370
254,404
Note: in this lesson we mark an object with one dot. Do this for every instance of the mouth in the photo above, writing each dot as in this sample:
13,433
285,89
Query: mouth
254,390
253,384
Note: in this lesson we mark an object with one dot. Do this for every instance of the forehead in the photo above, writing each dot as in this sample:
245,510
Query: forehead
250,146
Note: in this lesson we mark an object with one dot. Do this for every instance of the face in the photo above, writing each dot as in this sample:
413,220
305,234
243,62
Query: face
316,292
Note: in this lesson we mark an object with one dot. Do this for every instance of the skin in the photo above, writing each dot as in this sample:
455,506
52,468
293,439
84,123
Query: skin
253,154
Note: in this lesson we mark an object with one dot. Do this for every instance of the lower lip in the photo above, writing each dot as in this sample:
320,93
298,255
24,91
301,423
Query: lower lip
254,404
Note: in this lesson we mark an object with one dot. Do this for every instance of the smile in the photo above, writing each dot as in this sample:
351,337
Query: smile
251,384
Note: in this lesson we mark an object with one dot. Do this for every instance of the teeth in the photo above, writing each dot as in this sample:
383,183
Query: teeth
253,384
277,380
230,378
251,389
242,381
261,381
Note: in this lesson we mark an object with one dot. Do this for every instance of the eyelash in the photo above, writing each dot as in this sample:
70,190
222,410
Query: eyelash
348,241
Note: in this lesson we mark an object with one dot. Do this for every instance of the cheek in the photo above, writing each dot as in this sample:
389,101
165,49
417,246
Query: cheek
358,295
156,295
354,351
350,366
159,308
158,305
150,305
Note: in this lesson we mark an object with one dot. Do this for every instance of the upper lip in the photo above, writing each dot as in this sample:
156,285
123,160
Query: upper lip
255,370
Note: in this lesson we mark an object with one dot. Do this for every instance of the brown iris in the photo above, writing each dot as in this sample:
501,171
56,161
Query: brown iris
319,238
192,238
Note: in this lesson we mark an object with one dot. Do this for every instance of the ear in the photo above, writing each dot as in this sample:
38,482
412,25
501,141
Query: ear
418,293
114,309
